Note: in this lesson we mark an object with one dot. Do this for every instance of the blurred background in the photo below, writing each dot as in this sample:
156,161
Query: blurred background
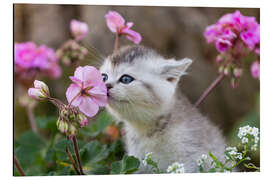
172,31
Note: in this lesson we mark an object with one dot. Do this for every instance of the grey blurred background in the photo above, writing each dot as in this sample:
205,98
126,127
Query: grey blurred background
172,31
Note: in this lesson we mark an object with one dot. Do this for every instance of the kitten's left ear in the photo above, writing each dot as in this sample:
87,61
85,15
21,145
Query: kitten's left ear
172,70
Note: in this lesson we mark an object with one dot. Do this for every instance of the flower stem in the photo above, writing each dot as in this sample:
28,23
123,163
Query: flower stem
209,89
76,149
18,166
31,119
72,161
116,42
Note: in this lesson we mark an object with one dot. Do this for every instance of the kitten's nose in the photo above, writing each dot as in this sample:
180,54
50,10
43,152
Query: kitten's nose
109,86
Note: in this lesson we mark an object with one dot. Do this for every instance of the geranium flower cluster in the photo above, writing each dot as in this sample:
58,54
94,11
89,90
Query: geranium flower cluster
30,60
235,36
72,51
176,168
85,95
250,135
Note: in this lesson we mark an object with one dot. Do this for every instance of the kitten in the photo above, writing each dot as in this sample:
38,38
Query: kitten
142,88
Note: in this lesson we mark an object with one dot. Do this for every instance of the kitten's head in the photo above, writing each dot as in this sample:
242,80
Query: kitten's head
140,82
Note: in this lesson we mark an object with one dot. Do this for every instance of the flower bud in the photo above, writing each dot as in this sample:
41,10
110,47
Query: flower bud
221,69
219,58
237,72
82,120
72,130
41,85
63,113
62,125
227,70
78,29
40,91
36,94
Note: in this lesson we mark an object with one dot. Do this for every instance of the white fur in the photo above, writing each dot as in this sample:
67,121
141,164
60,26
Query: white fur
187,135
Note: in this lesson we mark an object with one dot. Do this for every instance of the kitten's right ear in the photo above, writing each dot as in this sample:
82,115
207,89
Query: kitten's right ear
172,70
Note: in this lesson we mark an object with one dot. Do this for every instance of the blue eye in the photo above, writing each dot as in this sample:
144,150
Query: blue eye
105,77
126,79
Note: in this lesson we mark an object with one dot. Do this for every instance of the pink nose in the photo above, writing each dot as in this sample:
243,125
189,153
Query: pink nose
109,86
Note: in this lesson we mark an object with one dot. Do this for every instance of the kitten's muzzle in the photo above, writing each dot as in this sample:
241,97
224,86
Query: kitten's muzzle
109,86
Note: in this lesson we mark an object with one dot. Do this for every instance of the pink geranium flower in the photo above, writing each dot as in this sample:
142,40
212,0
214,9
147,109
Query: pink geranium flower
231,26
87,91
30,59
78,29
116,24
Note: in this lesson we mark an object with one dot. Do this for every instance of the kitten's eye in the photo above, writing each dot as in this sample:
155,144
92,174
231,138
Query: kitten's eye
126,79
105,77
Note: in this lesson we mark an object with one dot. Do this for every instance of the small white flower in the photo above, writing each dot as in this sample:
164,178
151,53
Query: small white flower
244,140
176,168
147,157
199,162
204,156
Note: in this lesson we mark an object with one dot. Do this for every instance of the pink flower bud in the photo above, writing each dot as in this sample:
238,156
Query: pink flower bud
41,85
40,91
78,29
36,94
226,70
237,72
62,126
218,59
255,69
82,120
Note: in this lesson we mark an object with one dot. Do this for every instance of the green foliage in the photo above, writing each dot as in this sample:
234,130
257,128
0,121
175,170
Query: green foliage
128,165
97,127
45,154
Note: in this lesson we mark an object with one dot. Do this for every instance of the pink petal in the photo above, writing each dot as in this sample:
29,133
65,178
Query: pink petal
99,95
129,24
71,92
91,76
76,80
88,107
132,35
114,21
79,73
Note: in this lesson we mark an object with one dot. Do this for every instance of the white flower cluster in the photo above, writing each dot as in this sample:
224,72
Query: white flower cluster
202,160
147,157
245,132
232,151
176,168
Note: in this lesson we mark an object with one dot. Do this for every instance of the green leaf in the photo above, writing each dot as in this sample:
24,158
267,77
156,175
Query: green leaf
48,123
127,165
94,152
31,139
97,127
29,149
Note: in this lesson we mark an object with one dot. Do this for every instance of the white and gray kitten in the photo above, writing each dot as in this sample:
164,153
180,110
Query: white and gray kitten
142,88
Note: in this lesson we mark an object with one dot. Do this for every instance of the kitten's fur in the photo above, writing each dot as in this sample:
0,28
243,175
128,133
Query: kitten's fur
156,118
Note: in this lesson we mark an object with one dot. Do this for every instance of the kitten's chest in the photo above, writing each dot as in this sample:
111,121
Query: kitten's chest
158,144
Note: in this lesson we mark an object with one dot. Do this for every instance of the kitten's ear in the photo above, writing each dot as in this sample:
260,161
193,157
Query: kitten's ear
172,70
